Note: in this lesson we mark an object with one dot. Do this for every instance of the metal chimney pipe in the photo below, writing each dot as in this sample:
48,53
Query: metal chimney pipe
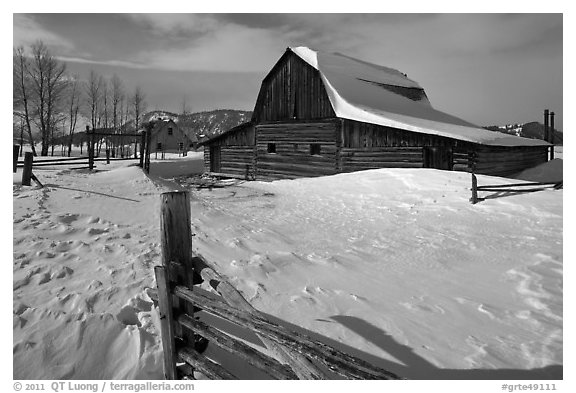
552,135
546,125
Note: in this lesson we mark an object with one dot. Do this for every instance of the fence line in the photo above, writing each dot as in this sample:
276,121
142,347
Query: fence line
294,355
510,188
28,162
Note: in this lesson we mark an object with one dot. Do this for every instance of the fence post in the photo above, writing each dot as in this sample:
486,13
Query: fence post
27,171
107,156
147,158
142,146
166,323
90,148
474,198
16,151
552,135
176,244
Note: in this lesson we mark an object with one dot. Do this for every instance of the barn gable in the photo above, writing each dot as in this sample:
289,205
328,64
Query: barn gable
292,90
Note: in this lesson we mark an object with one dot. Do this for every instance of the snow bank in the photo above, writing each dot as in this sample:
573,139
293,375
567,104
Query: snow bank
398,264
84,248
548,172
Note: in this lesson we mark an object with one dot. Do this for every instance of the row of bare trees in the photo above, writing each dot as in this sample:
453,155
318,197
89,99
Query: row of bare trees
48,101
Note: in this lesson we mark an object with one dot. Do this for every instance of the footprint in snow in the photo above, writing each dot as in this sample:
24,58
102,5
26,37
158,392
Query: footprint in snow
67,218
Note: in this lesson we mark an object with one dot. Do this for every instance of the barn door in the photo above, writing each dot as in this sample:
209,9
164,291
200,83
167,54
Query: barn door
214,158
438,157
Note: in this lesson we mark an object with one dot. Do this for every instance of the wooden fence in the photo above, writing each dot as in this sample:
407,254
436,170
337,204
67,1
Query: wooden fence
510,188
85,162
294,354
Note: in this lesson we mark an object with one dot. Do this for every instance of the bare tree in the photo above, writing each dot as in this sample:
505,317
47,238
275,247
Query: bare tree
185,109
21,91
56,132
94,98
47,76
138,105
117,96
104,112
74,97
117,99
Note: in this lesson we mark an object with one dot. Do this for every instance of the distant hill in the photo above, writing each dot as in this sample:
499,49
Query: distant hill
532,130
211,123
204,124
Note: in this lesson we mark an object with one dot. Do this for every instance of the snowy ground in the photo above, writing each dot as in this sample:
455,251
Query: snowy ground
394,264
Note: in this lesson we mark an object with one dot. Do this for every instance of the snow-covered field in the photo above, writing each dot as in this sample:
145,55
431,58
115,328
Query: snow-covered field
395,264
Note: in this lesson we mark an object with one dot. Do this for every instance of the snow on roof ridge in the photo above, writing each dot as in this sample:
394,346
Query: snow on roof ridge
308,55
311,57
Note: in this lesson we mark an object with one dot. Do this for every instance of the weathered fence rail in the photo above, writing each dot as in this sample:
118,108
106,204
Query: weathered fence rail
74,161
290,354
510,188
87,162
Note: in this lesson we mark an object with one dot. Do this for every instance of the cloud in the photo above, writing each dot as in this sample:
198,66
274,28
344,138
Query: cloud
27,31
175,25
117,63
229,48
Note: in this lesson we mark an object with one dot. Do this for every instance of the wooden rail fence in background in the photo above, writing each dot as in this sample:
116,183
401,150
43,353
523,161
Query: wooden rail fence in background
294,354
87,162
510,188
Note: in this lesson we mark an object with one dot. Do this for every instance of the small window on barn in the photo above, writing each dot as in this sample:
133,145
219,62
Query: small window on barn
315,149
295,147
271,148
181,145
170,130
159,146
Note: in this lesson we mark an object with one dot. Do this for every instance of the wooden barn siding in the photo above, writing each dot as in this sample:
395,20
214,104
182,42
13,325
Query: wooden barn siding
237,149
233,160
292,91
292,158
206,158
356,159
244,137
357,134
368,146
503,161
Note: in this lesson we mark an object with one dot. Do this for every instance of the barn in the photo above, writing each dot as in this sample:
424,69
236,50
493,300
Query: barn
166,136
321,113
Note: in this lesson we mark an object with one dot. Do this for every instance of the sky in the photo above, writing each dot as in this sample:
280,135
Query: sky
489,69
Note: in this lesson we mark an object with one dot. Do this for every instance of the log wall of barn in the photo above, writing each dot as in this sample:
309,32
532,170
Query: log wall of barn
368,146
357,159
293,152
293,90
356,134
206,158
237,160
237,150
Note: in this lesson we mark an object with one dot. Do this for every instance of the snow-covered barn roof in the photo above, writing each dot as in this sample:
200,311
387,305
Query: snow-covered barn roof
375,94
